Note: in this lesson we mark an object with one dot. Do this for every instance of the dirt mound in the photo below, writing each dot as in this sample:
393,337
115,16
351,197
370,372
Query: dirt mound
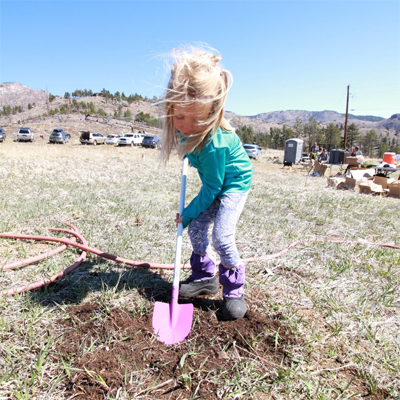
113,349
114,352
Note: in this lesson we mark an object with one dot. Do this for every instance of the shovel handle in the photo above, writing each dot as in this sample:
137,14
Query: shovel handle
178,247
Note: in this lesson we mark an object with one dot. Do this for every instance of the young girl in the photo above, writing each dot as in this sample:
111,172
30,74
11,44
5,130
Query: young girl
196,128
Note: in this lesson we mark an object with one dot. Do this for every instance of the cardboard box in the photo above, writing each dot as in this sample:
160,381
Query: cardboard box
320,168
363,188
367,185
352,161
383,181
350,182
394,189
335,182
359,175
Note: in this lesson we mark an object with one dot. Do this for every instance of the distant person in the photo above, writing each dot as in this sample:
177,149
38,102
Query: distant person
313,150
356,152
87,117
323,156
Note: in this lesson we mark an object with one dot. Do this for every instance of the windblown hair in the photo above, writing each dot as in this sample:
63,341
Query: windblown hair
195,77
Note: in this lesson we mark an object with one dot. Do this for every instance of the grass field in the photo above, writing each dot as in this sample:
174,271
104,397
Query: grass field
323,321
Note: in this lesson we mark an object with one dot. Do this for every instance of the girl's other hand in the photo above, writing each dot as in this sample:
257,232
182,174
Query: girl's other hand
178,220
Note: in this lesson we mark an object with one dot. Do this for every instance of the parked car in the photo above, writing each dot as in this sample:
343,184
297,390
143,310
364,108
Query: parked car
139,138
252,150
112,139
130,139
93,138
151,141
59,136
25,134
2,135
126,140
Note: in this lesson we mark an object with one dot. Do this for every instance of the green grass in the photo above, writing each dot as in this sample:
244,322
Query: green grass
341,300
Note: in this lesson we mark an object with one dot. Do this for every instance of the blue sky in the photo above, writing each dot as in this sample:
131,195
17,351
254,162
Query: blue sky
283,55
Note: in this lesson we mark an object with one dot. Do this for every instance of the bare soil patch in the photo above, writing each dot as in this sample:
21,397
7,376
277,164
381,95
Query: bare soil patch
128,355
114,349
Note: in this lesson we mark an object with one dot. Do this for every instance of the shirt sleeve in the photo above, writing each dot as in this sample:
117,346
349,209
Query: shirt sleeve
212,175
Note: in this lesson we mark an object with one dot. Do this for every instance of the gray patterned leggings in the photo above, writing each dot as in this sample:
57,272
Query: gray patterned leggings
224,212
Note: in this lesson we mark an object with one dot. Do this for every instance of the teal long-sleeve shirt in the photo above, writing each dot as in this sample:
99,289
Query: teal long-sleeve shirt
224,167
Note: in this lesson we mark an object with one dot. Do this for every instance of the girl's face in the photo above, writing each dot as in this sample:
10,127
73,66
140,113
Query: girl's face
190,119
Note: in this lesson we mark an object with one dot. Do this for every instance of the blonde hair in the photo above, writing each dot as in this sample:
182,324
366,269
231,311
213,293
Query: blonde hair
195,77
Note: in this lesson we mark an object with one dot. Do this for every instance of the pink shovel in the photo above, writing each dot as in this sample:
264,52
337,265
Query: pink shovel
172,322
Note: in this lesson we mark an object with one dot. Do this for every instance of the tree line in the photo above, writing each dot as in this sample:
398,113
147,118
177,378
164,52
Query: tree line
8,110
113,98
88,108
329,137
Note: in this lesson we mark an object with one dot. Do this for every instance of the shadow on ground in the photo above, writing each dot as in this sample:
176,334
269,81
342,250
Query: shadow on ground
110,352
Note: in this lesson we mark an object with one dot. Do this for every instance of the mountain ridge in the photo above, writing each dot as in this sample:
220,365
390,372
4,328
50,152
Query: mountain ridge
16,94
325,115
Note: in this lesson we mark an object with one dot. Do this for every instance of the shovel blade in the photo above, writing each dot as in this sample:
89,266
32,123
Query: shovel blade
172,322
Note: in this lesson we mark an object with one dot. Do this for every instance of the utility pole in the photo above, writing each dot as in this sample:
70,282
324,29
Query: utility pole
345,120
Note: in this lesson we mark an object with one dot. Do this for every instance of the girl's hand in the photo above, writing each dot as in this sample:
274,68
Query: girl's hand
178,220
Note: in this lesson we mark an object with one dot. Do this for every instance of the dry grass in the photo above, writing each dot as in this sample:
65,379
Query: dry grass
341,300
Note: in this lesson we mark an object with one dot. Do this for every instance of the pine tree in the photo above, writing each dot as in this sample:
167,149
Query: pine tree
332,137
369,142
353,135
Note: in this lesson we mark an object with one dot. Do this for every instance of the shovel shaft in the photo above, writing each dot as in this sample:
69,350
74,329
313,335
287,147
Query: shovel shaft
174,306
178,246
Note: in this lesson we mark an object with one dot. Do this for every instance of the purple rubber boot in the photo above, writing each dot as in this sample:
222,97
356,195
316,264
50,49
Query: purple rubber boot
203,268
202,280
232,280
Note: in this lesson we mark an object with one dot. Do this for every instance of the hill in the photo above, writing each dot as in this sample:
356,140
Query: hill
392,123
15,94
325,117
